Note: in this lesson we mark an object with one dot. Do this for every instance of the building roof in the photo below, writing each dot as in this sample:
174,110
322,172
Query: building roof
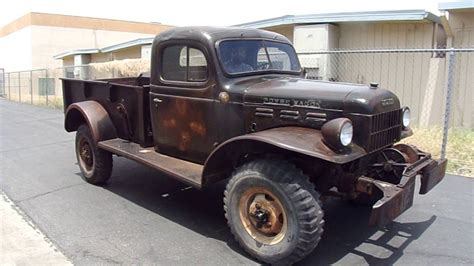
372,16
76,52
139,41
66,21
461,5
115,47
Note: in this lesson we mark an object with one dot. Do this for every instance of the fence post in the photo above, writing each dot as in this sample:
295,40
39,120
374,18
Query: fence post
3,82
9,88
31,85
19,87
47,87
447,109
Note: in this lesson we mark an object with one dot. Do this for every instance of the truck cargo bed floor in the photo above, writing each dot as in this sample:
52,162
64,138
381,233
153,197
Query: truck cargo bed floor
182,170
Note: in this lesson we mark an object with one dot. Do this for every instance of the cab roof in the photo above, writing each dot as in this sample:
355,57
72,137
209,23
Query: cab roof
212,34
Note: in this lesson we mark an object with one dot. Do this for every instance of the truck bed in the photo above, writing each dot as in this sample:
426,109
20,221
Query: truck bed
125,99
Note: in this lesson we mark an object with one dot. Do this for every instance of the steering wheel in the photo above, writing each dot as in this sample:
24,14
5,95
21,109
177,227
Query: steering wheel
263,65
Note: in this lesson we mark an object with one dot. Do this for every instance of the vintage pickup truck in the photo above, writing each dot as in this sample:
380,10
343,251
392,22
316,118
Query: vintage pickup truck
233,104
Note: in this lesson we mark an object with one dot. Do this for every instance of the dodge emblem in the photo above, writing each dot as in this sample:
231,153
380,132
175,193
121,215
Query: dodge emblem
388,101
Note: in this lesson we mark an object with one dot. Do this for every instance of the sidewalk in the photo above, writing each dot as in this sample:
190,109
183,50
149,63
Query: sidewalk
21,243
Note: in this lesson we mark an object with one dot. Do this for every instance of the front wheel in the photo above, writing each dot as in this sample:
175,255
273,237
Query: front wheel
95,164
273,211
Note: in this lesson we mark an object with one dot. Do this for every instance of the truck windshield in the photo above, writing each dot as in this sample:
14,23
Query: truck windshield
249,56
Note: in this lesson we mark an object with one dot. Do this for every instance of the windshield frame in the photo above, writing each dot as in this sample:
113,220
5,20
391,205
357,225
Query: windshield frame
256,72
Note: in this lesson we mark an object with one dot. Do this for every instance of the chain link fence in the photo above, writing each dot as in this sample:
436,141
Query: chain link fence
419,77
437,85
33,87
44,87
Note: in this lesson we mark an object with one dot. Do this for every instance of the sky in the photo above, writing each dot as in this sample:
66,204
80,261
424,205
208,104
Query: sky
201,12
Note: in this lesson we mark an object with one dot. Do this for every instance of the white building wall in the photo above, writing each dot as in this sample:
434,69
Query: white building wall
49,41
33,47
313,38
15,50
146,52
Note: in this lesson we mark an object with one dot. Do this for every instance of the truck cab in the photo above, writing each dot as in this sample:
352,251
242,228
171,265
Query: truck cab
199,82
233,104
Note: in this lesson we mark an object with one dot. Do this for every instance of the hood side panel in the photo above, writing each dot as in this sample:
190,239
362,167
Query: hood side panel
349,98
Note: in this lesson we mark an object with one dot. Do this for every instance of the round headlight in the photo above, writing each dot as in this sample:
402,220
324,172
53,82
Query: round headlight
346,134
406,117
338,133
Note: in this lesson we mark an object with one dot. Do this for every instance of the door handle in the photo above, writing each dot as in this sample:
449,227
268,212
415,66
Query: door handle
156,100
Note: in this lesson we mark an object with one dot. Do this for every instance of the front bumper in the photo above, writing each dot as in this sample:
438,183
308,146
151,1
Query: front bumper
397,198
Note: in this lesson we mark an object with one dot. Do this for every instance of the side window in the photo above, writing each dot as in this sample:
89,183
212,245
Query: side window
173,63
183,63
197,69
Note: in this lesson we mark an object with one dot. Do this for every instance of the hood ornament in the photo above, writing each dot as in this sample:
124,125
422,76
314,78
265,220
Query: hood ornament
374,85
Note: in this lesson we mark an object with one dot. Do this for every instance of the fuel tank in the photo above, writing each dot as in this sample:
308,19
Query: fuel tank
304,93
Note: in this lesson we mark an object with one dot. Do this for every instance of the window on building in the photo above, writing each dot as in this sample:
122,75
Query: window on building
69,73
46,86
183,63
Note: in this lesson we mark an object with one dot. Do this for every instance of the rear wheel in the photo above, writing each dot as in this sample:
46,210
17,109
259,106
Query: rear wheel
95,164
273,211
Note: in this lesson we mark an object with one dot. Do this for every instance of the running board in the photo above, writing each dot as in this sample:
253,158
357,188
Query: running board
184,171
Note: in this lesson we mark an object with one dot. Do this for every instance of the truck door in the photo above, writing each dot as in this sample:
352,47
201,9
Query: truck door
181,102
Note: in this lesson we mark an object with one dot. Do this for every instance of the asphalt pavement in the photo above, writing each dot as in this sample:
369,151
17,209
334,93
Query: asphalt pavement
144,217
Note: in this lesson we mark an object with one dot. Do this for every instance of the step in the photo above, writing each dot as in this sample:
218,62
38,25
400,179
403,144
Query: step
187,172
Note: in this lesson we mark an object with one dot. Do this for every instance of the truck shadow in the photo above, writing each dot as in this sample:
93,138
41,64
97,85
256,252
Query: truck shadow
346,231
348,239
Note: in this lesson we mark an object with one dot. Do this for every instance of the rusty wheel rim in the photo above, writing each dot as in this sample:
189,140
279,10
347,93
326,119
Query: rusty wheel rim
86,156
263,215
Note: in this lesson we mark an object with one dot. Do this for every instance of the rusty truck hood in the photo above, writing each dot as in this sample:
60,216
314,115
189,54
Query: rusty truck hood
304,93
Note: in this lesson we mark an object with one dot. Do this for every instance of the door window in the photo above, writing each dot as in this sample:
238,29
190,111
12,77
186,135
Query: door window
183,63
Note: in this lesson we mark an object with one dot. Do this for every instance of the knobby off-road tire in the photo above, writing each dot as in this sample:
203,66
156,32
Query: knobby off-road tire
95,164
273,187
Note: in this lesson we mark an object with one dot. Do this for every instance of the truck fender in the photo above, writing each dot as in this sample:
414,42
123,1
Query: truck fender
96,117
298,140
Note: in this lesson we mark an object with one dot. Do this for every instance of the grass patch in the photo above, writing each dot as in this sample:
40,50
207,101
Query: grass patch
459,151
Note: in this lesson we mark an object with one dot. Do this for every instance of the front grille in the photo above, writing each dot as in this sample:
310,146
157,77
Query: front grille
385,129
